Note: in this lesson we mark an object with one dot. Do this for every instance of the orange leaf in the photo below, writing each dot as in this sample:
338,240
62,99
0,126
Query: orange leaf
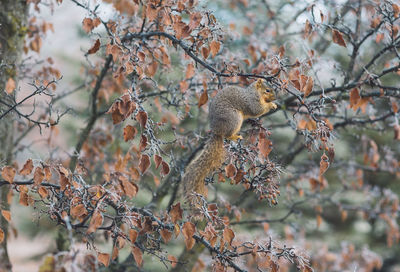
190,70
176,212
38,176
173,260
115,253
164,168
27,168
133,234
343,215
95,222
138,255
23,199
319,220
142,118
203,98
166,235
215,46
151,69
129,133
130,189
188,230
264,145
43,192
87,25
228,235
183,85
8,173
157,160
338,38
95,47
144,163
324,164
104,258
78,210
307,89
205,51
397,132
354,97
10,85
1,236
395,107
6,215
230,170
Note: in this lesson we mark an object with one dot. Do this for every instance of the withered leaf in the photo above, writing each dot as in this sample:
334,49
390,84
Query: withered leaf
190,70
8,173
137,255
164,169
264,145
115,253
43,192
203,98
6,215
228,235
205,51
129,133
133,234
130,189
38,176
176,212
215,46
157,160
188,231
144,163
338,38
78,210
230,170
166,235
324,164
103,258
10,85
1,235
95,47
142,118
27,168
173,260
95,222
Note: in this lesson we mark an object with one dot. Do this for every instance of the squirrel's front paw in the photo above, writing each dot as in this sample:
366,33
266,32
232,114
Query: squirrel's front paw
274,106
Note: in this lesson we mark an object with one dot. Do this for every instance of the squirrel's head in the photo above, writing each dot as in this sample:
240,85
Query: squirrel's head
266,93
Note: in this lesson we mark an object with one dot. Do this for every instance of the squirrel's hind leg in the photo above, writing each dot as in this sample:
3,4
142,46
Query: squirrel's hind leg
235,137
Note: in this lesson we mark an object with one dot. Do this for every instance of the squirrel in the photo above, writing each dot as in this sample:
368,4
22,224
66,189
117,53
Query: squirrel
227,111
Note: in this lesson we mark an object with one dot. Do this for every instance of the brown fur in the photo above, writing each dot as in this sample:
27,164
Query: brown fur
227,111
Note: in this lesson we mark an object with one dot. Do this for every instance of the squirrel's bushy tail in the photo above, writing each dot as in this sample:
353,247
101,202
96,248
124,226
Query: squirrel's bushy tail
209,159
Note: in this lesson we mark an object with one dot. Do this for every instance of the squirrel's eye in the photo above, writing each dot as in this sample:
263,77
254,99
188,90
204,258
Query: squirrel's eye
267,90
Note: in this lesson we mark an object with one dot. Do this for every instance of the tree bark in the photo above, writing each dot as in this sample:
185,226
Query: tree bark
13,27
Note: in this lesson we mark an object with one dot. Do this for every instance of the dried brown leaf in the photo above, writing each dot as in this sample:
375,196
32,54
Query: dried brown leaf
95,47
103,258
8,173
188,231
6,215
129,133
137,255
10,85
144,163
27,168
338,38
176,212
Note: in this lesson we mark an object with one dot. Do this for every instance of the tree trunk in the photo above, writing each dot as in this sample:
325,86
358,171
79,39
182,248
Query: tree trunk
13,27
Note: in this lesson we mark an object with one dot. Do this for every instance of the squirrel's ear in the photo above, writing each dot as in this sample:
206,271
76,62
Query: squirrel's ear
259,83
